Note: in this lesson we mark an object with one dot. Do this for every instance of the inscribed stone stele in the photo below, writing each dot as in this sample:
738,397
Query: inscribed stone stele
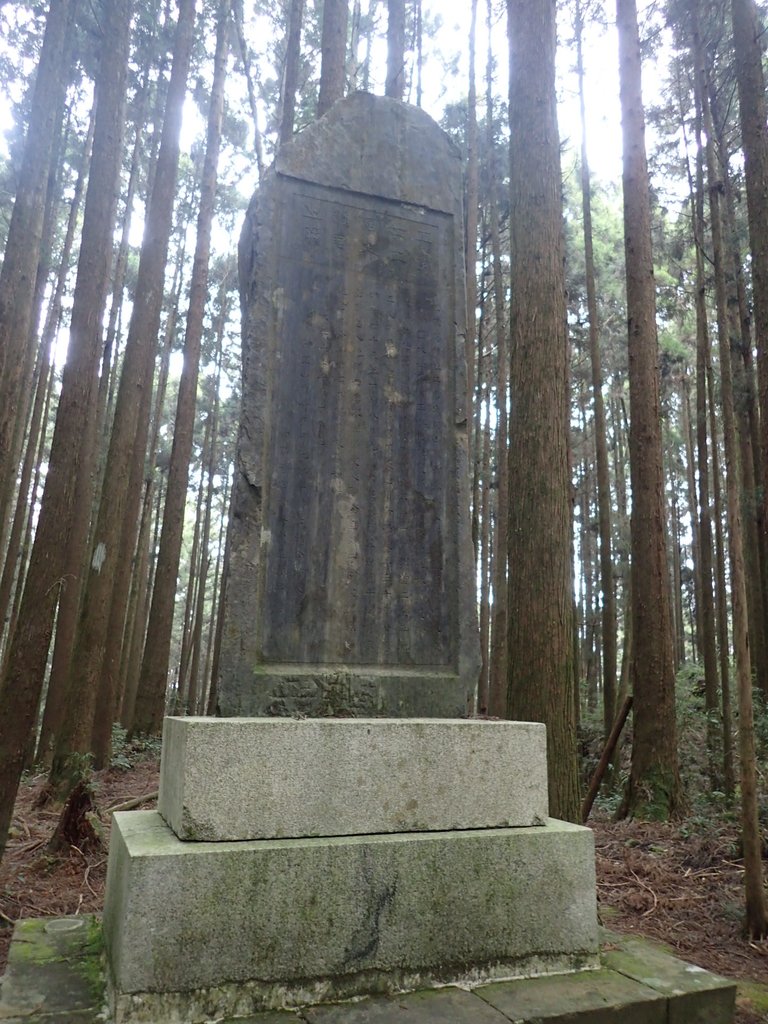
350,587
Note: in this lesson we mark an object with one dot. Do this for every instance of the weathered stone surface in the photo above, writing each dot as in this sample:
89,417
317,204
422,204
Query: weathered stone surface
295,921
435,1006
351,587
589,997
334,777
562,999
700,997
54,973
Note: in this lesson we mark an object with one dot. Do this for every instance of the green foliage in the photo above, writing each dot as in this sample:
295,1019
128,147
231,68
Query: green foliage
119,758
126,753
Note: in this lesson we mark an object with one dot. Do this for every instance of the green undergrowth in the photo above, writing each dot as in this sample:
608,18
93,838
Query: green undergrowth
705,800
753,995
128,751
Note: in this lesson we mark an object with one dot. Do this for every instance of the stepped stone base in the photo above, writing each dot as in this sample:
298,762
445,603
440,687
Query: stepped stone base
273,778
55,976
291,921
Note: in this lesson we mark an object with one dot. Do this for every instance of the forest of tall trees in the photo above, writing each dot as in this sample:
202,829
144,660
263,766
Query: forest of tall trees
617,362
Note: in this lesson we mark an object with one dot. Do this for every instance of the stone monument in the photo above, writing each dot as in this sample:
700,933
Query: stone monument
351,589
297,858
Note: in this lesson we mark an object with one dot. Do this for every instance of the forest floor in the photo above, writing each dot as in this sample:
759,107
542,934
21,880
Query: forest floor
677,883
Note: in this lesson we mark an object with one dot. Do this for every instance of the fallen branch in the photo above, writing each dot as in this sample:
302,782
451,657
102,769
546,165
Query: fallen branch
610,746
128,805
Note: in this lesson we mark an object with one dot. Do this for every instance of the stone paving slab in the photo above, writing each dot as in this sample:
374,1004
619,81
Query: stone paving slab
54,976
435,1006
275,778
590,997
54,973
697,997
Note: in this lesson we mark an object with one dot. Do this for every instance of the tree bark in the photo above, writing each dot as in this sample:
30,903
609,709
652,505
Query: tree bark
291,70
22,248
601,446
395,82
498,664
150,701
69,465
753,118
756,919
540,679
654,784
95,661
333,48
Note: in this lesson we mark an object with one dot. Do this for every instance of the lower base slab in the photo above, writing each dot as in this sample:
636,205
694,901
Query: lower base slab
207,929
55,976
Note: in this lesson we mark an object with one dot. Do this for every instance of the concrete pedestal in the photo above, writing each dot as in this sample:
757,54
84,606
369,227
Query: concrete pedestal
337,858
274,778
287,922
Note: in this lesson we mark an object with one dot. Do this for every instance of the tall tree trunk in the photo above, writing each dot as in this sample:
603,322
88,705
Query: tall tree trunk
470,263
756,919
540,638
419,52
291,71
654,783
95,661
42,452
395,82
721,594
50,327
215,661
185,654
598,405
753,117
333,47
693,515
138,609
237,7
150,701
498,667
69,467
209,460
22,248
703,517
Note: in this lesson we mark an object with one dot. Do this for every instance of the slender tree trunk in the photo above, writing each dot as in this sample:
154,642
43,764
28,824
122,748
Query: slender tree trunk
756,920
693,514
95,662
601,446
721,594
291,71
51,326
395,82
22,248
205,560
498,669
43,450
333,47
484,548
12,567
69,467
540,626
419,53
472,352
654,784
237,8
753,117
150,701
121,262
215,661
185,654
675,593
